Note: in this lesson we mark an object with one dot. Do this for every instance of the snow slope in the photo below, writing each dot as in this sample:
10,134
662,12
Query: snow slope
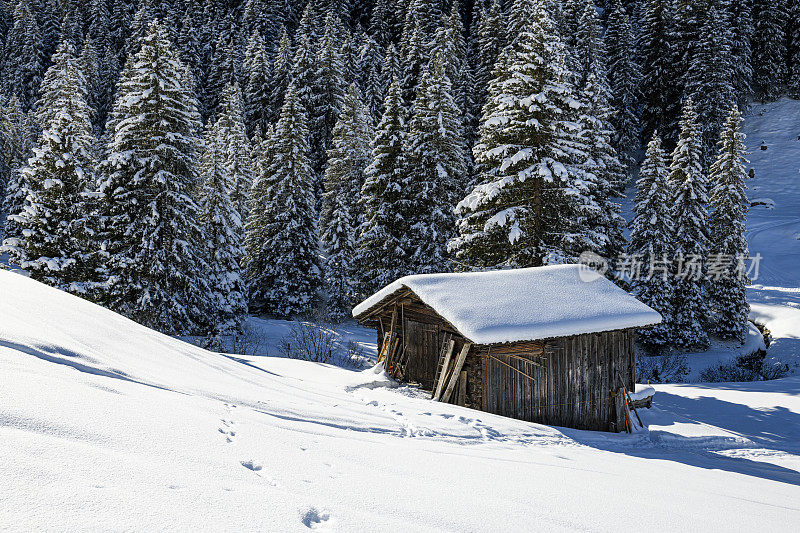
105,424
774,232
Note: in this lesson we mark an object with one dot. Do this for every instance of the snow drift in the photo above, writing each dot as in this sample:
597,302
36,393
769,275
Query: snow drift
105,425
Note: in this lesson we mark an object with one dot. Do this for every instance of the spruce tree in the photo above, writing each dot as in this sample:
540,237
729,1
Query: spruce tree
281,74
380,256
623,78
156,264
370,74
793,48
257,95
56,221
651,244
17,138
522,213
709,80
329,89
282,256
769,48
741,50
728,246
660,92
434,168
222,223
690,197
348,157
25,56
491,40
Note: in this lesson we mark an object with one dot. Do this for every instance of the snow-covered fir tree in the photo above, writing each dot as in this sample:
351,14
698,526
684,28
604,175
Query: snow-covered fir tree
221,176
522,213
728,249
155,245
709,80
373,87
380,256
690,197
349,156
17,138
651,243
329,88
491,39
769,48
623,78
282,243
281,74
434,168
56,221
257,89
24,56
793,48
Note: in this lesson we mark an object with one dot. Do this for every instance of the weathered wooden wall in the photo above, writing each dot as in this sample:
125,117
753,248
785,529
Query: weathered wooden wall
567,382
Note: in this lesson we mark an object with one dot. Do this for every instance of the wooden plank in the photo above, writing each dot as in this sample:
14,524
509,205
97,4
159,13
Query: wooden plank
462,356
445,368
462,388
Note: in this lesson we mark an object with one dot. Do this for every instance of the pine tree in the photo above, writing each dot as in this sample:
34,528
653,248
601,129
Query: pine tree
522,212
157,271
225,68
282,261
17,138
728,246
414,53
602,181
660,95
434,169
370,73
651,245
221,217
25,57
380,255
281,74
690,189
491,40
741,50
329,88
623,78
769,48
793,48
55,222
257,95
709,80
348,157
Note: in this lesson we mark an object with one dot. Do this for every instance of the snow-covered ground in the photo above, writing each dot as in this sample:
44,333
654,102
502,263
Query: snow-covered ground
774,232
106,425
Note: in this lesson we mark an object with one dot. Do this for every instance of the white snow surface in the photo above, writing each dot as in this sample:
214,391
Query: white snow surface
106,425
524,304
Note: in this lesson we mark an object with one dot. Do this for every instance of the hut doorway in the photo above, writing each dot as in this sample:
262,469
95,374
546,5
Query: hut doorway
422,346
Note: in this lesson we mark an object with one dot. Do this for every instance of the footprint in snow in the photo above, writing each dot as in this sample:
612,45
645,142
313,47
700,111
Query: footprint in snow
314,519
251,465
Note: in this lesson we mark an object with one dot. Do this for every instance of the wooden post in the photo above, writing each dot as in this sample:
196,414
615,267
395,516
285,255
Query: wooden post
456,372
462,388
619,403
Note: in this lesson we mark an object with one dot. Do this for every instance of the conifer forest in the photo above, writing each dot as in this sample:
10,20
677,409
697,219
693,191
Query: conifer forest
188,163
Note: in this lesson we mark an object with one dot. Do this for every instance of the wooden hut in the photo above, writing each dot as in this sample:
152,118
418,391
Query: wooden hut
549,344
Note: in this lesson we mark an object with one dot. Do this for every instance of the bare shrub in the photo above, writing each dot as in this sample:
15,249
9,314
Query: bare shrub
354,355
309,341
249,341
752,367
667,368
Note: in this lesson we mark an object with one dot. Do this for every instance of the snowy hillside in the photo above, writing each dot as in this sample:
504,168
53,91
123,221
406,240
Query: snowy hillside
105,424
774,226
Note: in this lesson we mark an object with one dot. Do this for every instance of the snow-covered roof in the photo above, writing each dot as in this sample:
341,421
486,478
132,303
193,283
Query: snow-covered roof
525,304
